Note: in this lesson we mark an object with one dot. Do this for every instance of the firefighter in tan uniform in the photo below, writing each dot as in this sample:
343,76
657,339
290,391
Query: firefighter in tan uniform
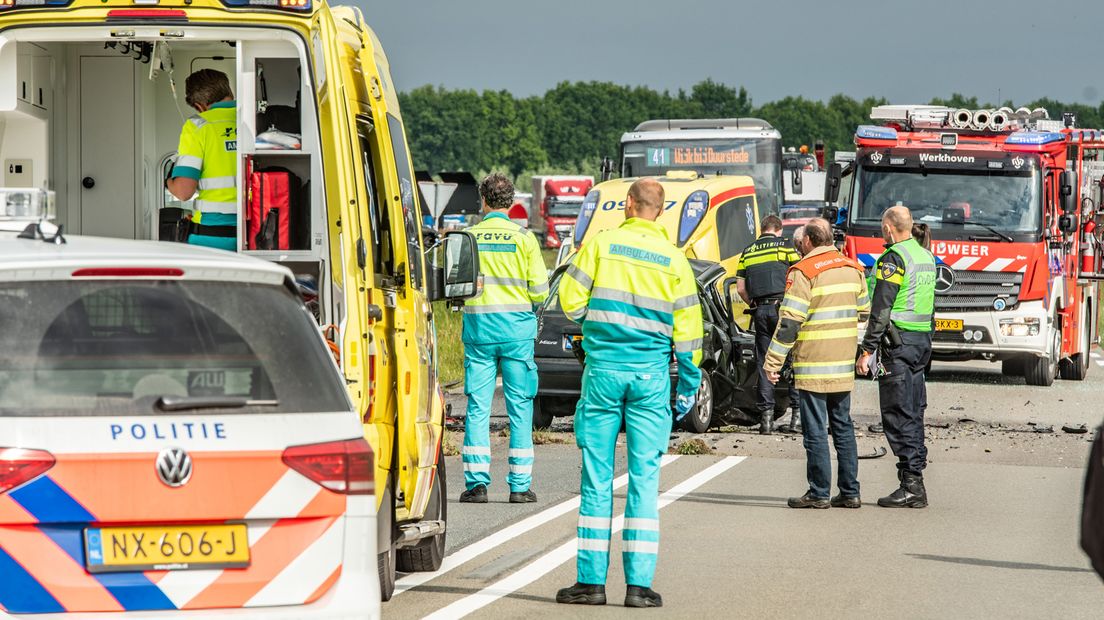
818,321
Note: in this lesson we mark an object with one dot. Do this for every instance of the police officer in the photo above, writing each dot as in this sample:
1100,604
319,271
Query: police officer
499,332
207,160
900,330
637,299
761,282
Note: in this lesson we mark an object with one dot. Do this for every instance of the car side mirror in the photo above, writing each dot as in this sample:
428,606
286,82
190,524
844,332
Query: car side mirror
455,268
606,169
1065,190
832,183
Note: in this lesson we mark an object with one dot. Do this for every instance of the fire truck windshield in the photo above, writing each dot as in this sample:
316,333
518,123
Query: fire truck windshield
1009,202
759,158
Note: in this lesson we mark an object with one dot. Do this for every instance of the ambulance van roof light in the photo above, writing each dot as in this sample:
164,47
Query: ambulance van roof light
32,4
286,5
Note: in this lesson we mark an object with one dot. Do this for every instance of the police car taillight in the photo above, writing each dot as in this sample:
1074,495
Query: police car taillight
19,466
340,466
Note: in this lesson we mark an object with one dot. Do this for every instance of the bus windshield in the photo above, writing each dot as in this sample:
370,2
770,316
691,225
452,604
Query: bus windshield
1002,200
760,158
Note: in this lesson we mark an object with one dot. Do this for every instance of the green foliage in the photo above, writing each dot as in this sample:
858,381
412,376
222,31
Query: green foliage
450,351
574,125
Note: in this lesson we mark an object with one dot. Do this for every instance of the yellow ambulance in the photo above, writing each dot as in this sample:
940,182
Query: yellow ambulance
92,104
709,217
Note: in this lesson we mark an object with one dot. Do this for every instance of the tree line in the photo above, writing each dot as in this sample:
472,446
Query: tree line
572,126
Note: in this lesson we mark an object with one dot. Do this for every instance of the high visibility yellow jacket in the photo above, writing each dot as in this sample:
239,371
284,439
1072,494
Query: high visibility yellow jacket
636,297
514,280
819,321
208,153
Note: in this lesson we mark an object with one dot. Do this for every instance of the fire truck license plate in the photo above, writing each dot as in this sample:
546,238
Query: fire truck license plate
166,547
948,325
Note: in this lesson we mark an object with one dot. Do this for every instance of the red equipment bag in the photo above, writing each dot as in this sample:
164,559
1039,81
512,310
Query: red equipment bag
273,197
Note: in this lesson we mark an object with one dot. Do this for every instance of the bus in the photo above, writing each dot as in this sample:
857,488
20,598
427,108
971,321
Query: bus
711,147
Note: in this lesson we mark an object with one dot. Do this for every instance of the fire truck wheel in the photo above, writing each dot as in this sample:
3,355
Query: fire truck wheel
1077,367
1013,367
1043,370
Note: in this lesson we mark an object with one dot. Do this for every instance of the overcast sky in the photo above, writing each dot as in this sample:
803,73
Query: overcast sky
905,51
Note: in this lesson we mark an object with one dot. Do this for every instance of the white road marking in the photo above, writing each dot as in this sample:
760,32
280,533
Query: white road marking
553,559
477,549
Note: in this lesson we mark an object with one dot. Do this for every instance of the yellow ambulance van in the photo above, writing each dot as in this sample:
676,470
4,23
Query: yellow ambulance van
92,104
710,218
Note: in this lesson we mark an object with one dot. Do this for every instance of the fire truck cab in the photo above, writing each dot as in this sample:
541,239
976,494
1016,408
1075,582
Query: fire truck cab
1012,202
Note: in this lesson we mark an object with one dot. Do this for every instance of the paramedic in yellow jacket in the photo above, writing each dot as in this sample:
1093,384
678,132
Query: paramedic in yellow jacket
818,321
207,160
500,329
636,297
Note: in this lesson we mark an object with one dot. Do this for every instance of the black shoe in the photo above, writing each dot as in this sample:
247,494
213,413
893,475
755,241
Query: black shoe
840,501
582,594
474,495
875,428
911,493
794,427
765,420
808,501
635,596
523,497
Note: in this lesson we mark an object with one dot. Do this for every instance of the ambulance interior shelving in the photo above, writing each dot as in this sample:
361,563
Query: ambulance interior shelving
94,114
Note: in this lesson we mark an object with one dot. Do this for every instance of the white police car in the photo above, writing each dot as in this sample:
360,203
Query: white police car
174,435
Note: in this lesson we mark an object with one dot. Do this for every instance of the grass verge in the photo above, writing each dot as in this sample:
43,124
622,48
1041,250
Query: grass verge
450,350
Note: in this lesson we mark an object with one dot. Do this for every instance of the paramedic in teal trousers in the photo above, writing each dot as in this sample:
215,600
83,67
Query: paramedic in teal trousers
637,299
500,329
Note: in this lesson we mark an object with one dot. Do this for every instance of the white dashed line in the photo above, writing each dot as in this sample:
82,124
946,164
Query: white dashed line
553,559
477,549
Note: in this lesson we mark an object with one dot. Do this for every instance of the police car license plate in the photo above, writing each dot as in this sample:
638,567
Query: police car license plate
570,340
948,325
166,547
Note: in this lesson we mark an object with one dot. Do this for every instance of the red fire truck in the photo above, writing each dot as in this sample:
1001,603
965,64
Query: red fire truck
1013,202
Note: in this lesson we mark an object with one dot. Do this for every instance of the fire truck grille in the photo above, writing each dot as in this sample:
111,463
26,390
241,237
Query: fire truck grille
977,290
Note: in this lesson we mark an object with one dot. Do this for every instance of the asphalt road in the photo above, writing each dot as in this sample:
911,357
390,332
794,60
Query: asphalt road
1000,536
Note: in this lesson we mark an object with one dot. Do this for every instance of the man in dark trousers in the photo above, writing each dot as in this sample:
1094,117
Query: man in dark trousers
900,331
761,283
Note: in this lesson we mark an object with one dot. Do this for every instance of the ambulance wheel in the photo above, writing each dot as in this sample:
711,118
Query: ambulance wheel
542,415
427,555
386,562
700,419
1077,367
1043,370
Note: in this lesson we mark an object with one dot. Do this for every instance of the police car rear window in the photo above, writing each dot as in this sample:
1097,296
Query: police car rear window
116,348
